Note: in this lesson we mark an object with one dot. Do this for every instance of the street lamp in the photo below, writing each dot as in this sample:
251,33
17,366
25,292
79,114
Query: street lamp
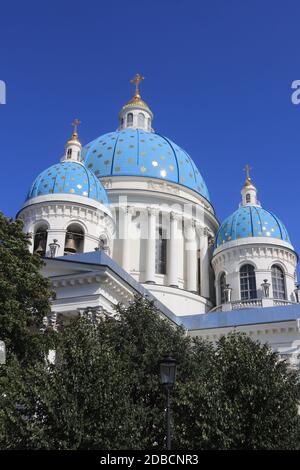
266,288
168,367
53,248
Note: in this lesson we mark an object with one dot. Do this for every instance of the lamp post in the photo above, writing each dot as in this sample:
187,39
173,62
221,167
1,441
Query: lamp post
168,367
54,246
266,288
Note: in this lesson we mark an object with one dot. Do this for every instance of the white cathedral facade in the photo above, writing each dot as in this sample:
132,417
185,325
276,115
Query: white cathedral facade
130,213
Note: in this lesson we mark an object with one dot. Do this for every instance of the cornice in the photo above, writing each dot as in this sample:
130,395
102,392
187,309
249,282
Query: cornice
256,251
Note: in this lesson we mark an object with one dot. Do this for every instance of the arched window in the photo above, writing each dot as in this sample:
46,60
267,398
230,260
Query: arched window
69,153
40,241
161,252
129,119
74,240
141,120
149,124
222,284
278,282
248,282
248,198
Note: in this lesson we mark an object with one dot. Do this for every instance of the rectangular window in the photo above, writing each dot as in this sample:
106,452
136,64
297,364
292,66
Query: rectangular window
161,253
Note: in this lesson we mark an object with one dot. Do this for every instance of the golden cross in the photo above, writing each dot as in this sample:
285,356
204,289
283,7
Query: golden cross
75,124
136,81
247,170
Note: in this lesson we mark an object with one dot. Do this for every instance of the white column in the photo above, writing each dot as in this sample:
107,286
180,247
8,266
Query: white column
150,247
204,263
172,255
31,239
190,251
126,239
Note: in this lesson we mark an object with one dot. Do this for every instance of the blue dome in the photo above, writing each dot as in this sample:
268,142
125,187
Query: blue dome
251,221
133,152
68,178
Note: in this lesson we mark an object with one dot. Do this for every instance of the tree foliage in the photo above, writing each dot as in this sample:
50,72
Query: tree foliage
24,292
104,392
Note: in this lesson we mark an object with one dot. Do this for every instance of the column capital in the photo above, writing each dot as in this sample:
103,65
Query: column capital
152,210
189,230
189,222
175,215
93,314
211,240
201,231
130,210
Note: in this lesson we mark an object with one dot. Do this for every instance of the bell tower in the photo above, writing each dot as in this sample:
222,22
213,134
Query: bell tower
73,146
249,191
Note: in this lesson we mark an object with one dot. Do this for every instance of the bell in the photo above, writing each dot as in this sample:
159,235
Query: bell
40,250
70,246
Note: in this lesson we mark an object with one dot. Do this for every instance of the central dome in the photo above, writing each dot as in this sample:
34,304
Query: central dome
134,152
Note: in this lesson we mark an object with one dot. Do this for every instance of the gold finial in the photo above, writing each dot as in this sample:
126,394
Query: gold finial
75,125
136,100
248,178
74,136
136,81
247,170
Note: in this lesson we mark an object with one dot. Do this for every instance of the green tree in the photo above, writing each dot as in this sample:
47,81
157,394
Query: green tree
104,391
24,293
245,397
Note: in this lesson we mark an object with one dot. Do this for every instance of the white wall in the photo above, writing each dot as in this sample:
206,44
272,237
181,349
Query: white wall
131,200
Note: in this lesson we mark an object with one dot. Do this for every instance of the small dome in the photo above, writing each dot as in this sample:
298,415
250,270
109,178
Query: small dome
136,102
133,152
68,178
251,221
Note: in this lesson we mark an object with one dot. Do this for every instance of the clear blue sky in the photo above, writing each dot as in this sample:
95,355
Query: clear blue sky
218,79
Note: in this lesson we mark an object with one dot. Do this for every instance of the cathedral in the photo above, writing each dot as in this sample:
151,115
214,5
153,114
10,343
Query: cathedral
129,213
